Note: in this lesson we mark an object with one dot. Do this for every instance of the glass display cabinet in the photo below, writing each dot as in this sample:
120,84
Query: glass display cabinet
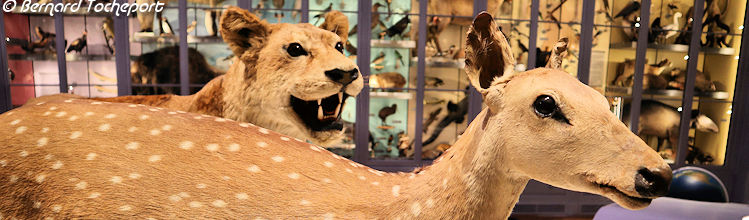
671,70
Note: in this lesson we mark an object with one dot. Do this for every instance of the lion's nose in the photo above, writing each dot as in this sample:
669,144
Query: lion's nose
342,76
653,183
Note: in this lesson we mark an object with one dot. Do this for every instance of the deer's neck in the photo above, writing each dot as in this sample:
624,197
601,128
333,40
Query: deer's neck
467,182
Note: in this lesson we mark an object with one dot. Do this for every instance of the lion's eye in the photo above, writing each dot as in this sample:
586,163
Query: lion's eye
339,47
545,106
296,49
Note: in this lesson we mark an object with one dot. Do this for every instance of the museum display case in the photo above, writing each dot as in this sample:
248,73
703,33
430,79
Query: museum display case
679,91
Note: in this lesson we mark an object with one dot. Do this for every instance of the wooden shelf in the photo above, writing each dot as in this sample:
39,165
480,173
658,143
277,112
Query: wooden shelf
679,48
671,93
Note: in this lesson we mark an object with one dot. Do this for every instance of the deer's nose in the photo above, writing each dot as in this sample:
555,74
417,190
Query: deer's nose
652,182
343,76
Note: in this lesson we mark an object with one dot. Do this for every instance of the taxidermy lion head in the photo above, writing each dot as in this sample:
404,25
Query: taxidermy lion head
291,78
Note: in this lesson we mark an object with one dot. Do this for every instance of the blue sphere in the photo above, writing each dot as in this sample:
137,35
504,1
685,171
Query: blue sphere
695,183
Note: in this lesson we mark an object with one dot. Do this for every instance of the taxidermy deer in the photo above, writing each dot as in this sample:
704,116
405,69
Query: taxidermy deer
137,162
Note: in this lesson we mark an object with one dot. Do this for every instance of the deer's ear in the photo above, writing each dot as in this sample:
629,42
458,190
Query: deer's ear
336,22
244,32
488,55
557,54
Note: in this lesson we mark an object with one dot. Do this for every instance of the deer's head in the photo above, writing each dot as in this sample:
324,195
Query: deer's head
563,126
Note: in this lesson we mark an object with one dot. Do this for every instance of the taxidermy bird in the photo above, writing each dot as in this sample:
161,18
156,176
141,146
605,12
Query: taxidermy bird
433,81
210,22
45,40
656,30
632,7
12,74
456,113
375,20
522,47
78,44
322,14
398,27
107,28
542,57
400,59
606,9
390,12
672,29
387,111
379,58
166,28
191,27
432,117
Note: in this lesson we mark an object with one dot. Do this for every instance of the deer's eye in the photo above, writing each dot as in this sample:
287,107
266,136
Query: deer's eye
339,47
295,50
545,106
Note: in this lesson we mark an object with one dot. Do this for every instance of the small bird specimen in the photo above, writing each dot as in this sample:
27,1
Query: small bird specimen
632,7
45,40
387,111
398,27
322,14
107,28
377,60
432,117
433,81
166,28
400,59
375,20
78,44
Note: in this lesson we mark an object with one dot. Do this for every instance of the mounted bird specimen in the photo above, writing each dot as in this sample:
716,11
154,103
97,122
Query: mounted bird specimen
107,28
322,14
375,20
78,44
387,111
166,27
398,27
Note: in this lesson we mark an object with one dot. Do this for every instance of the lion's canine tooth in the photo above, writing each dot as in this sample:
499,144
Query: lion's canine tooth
319,102
320,115
340,97
337,110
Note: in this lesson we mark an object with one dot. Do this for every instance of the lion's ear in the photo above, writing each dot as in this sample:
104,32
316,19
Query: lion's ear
336,22
243,31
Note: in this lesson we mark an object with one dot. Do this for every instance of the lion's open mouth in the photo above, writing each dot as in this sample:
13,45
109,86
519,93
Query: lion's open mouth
322,114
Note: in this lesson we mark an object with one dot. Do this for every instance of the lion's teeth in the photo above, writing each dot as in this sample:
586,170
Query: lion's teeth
340,97
319,102
320,115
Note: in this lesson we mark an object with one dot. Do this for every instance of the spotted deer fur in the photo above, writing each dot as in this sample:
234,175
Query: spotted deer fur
79,158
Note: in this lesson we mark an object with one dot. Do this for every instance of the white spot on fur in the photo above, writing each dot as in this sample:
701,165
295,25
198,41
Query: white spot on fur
21,129
75,134
220,120
197,117
304,202
396,190
13,178
132,105
416,209
57,165
69,100
172,113
200,186
184,195
293,176
144,117
349,170
352,164
73,118
412,176
37,205
362,178
47,113
225,177
3,163
263,130
42,141
50,108
315,148
132,145
328,164
211,147
233,147
155,132
376,183
262,144
23,153
376,172
81,185
45,130
166,127
218,203
182,112
134,176
105,127
244,124
241,196
96,103
91,156
444,183
40,178
48,157
285,138
175,198
132,129
94,195
125,208
195,204
56,208
328,216
186,145
277,158
326,180
88,114
429,203
110,116
116,179
154,158
60,114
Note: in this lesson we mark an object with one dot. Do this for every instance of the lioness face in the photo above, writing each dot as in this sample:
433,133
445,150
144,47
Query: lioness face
297,73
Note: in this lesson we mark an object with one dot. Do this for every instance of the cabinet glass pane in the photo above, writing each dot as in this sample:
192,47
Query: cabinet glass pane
391,123
445,119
